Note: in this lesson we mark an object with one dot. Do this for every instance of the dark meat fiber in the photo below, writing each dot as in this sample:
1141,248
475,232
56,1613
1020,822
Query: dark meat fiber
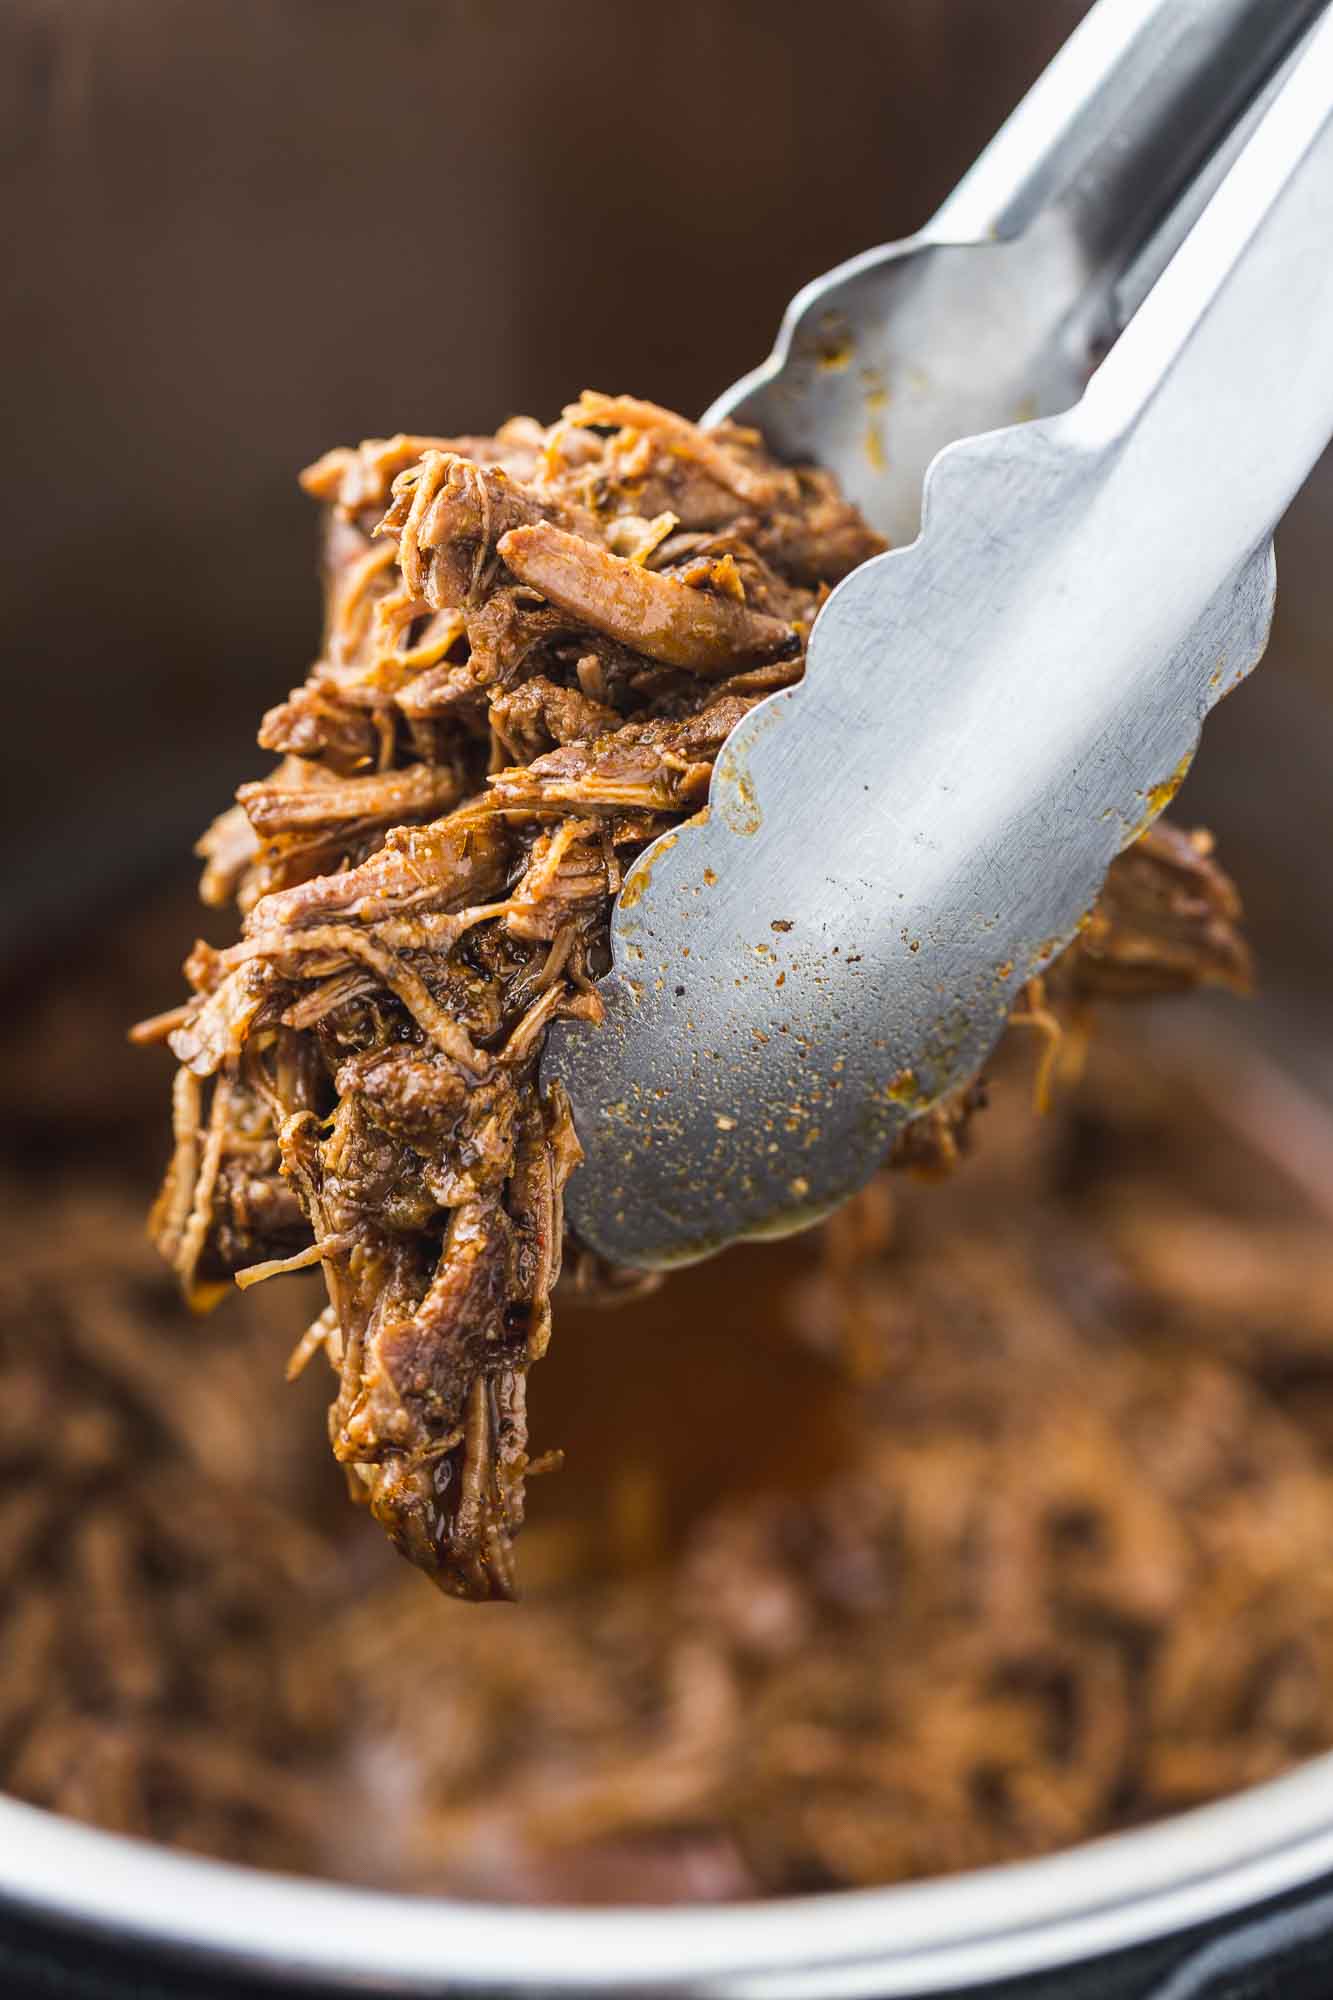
535,645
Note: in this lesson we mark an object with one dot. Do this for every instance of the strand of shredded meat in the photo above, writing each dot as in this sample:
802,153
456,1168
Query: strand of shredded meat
535,645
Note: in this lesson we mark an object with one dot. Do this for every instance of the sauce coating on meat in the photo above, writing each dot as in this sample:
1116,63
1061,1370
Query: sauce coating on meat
535,645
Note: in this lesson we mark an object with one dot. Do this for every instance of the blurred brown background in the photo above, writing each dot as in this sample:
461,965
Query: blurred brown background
242,230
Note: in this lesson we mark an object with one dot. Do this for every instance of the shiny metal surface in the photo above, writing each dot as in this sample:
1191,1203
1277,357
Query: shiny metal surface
929,1937
895,846
999,309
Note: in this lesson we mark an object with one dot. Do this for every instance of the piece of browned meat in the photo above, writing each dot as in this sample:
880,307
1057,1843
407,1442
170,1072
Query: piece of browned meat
535,646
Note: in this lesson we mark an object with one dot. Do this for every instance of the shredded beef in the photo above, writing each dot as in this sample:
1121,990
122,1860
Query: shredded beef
986,1518
535,646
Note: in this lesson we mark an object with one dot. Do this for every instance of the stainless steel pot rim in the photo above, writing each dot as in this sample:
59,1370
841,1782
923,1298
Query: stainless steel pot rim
921,1937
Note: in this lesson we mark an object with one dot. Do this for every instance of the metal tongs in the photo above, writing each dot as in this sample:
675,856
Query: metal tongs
1135,280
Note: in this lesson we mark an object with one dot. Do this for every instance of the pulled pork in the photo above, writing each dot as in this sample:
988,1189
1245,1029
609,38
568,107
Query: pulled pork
535,645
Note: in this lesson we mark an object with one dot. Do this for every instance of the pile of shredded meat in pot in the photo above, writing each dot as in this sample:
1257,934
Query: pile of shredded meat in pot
535,645
989,1516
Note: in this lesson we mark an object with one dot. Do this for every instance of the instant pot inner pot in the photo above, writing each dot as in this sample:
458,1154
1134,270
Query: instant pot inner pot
1039,1379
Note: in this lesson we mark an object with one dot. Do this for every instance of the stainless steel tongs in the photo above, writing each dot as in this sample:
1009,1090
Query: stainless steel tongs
1136,278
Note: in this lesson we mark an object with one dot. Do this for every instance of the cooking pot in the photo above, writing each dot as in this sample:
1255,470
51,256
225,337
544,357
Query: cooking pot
247,230
1232,1900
